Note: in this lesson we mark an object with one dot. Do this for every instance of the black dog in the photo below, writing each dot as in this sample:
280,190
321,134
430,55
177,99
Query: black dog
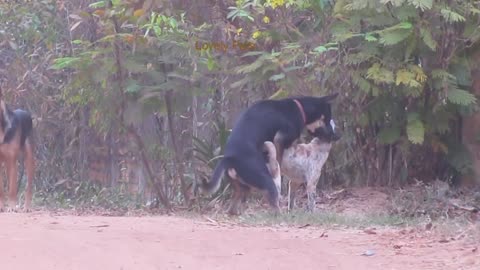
281,121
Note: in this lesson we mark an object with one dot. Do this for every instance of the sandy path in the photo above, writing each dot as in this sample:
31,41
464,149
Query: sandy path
42,241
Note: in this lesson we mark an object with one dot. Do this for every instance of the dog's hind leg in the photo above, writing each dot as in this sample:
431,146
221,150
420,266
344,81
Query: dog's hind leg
239,196
293,190
253,172
30,169
311,195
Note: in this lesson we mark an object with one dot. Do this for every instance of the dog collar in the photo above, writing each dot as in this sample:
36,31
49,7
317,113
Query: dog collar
300,107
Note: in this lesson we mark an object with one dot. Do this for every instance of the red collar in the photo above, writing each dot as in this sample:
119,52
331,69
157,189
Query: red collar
300,107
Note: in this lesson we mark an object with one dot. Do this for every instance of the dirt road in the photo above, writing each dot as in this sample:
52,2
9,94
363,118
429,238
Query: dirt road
43,241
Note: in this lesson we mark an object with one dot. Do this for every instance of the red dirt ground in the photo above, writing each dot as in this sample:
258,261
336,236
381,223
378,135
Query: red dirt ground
41,240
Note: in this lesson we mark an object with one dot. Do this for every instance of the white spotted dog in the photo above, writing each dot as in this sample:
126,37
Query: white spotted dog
303,163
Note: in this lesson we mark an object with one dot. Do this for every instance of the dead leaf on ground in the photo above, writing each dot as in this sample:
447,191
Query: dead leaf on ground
368,253
100,226
428,226
398,246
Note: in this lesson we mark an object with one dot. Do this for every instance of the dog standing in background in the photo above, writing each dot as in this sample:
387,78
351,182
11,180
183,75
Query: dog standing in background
15,138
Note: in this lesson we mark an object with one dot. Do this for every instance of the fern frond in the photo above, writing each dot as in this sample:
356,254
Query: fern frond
357,58
395,3
379,74
407,78
451,16
363,84
427,38
395,34
461,97
420,75
405,12
421,4
415,129
441,74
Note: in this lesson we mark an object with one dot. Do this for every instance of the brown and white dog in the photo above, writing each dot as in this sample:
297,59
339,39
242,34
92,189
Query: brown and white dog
302,164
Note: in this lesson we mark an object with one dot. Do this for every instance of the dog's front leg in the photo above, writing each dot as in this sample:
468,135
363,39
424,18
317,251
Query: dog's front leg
12,182
2,197
282,141
30,169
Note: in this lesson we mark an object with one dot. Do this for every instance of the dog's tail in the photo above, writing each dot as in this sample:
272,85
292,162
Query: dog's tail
212,186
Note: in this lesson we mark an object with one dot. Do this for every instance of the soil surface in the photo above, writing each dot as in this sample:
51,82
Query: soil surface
42,240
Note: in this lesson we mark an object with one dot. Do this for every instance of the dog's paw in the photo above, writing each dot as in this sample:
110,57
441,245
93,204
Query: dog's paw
12,209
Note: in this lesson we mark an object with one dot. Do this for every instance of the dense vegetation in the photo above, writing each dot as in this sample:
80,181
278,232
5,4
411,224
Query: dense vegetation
160,83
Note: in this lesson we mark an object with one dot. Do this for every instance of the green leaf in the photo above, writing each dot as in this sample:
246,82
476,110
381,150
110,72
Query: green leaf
357,58
461,97
98,4
389,135
379,74
427,38
451,16
441,74
421,4
65,62
252,53
320,49
415,131
277,77
210,63
394,37
363,84
370,38
407,78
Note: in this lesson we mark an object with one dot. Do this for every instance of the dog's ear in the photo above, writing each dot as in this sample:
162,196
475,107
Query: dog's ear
329,97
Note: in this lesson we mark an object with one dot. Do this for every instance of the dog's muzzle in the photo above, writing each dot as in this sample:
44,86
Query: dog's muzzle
328,133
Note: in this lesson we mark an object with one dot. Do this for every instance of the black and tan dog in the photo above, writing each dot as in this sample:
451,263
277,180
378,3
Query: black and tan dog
281,121
15,138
